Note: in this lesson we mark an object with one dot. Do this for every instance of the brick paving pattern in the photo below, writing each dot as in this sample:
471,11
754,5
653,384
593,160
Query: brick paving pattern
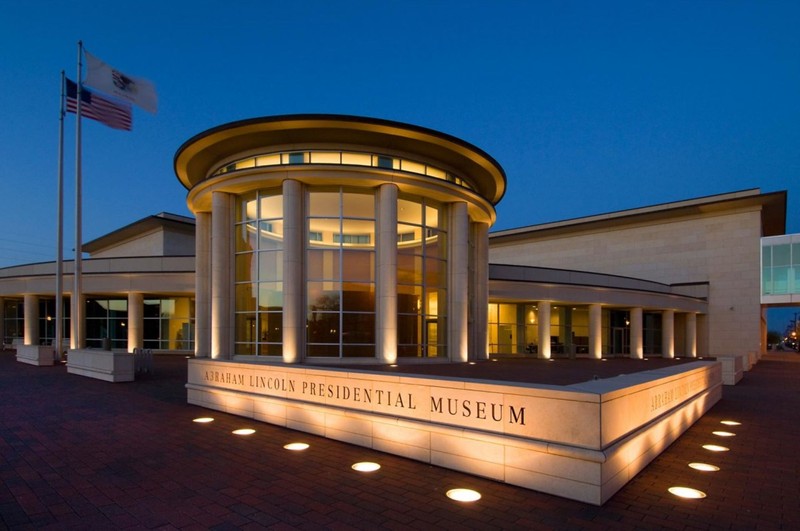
78,453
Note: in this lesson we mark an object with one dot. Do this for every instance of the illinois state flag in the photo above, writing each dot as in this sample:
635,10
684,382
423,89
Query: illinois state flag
136,90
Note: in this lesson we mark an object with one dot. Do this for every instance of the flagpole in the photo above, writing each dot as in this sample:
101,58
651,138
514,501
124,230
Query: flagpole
76,317
60,230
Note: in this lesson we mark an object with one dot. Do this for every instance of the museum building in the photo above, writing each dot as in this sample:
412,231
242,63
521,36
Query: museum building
323,246
343,238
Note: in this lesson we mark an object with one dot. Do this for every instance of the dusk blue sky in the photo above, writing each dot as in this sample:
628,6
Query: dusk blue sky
591,107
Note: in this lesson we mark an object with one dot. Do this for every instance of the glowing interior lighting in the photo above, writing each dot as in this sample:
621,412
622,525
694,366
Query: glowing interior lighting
704,467
723,434
463,495
296,447
730,423
203,420
366,466
244,431
715,448
686,492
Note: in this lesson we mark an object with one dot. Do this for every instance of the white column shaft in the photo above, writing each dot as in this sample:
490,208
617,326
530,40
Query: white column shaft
221,283
479,288
386,290
202,294
691,335
668,334
458,276
544,330
595,331
135,321
293,273
637,334
31,315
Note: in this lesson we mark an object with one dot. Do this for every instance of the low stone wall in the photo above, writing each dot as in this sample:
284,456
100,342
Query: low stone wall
35,355
102,365
582,442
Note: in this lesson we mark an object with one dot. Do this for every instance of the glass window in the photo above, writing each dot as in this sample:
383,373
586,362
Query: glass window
258,321
340,274
421,280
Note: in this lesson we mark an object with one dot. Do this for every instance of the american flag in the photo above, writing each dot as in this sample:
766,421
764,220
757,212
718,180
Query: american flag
114,114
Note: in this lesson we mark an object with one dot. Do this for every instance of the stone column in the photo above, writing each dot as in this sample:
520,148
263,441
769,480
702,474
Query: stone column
691,335
595,331
221,285
386,286
31,315
294,325
458,277
202,283
135,321
544,330
479,289
668,334
637,334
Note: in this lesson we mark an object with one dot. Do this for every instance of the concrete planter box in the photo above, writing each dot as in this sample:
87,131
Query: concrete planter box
102,365
35,355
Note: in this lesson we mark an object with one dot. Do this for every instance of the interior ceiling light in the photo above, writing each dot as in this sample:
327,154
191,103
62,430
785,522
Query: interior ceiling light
704,467
296,447
463,495
244,431
203,420
730,423
723,434
687,492
715,448
366,466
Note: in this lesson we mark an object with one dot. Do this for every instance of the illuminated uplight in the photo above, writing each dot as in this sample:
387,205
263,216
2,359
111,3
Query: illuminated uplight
603,359
715,448
463,495
730,423
723,434
704,467
244,431
686,492
472,363
296,447
551,359
203,420
366,466
393,365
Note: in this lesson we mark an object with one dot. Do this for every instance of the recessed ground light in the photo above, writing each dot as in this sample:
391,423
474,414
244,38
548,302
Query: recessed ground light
463,495
366,466
646,359
296,447
472,363
188,357
551,359
494,359
686,492
730,423
393,365
604,359
244,431
203,420
715,448
704,467
723,434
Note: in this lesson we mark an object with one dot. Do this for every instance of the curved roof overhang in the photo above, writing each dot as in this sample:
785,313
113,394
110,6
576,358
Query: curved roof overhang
199,155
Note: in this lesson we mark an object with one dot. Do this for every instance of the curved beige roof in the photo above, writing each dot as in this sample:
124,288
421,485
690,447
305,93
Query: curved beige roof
196,158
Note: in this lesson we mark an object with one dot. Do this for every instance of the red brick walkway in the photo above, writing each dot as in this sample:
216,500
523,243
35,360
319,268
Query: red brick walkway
77,453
